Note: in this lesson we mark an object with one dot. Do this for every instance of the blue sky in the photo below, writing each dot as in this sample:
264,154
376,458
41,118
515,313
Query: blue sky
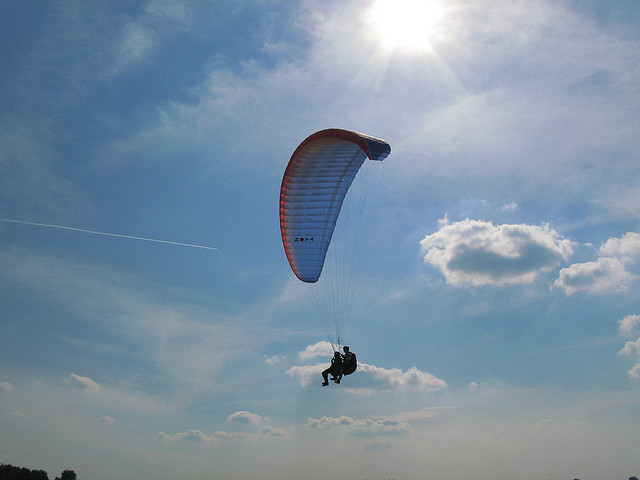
497,322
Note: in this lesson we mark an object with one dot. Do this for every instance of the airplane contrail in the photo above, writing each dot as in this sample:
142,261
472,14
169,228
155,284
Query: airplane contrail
62,227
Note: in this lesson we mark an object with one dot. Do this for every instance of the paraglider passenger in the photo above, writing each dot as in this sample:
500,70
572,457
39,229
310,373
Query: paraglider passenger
334,369
347,360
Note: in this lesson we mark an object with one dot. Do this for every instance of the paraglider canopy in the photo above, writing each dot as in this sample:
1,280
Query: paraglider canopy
314,186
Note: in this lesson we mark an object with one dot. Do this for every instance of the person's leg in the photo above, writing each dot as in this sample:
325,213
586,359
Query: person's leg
325,376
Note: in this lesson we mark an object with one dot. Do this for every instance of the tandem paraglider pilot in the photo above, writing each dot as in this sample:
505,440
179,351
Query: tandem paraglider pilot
341,365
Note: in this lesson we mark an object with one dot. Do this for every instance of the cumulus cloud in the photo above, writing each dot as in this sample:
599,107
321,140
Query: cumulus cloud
256,422
320,349
326,423
198,436
632,349
605,275
372,428
376,378
306,373
245,417
6,386
628,323
361,428
82,383
395,378
476,252
273,360
271,431
634,372
626,248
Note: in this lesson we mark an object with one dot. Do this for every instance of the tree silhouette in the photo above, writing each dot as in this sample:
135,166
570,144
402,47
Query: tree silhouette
67,475
9,472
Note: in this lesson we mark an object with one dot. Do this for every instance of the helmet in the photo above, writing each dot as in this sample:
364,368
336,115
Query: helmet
345,348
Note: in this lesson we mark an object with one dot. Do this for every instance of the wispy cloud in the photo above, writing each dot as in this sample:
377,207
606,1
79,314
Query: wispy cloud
83,383
179,340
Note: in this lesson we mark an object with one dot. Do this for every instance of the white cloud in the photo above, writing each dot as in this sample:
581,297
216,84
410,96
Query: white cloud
421,414
245,417
628,323
605,275
320,349
395,378
372,377
371,428
274,359
326,423
625,200
361,428
83,383
141,37
634,372
107,419
476,252
180,340
626,248
6,386
307,373
632,349
509,207
120,400
198,436
270,431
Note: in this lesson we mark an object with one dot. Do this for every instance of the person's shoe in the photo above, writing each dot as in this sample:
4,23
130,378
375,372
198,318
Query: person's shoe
324,384
333,379
337,381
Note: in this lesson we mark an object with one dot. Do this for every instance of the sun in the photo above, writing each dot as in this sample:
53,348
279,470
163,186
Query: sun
407,24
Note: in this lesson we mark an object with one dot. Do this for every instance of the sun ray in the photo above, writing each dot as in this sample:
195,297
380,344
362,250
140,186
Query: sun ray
406,24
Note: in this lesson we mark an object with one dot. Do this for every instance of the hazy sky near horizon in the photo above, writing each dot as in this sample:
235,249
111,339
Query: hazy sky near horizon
497,323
